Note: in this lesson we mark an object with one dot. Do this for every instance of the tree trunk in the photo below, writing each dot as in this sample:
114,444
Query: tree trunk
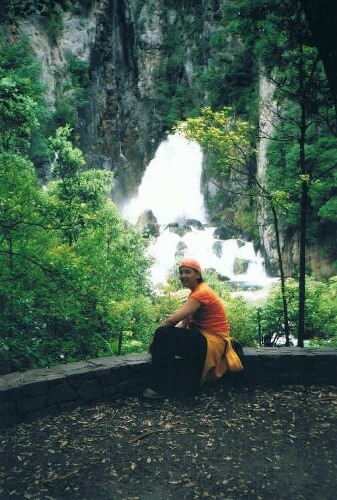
301,301
283,288
304,204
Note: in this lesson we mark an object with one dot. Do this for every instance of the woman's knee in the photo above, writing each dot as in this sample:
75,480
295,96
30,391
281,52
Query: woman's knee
160,333
160,338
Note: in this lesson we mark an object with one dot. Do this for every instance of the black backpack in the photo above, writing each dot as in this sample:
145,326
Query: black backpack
239,351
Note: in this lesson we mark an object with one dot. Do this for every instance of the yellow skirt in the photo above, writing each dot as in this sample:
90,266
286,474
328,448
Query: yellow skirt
220,357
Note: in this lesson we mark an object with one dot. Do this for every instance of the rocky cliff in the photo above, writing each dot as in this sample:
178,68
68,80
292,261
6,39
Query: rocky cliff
135,50
119,131
125,45
318,262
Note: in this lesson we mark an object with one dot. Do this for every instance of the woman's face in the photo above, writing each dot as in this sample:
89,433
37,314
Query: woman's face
188,277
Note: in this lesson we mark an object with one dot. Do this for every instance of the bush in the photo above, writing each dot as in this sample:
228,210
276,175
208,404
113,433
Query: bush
243,322
320,310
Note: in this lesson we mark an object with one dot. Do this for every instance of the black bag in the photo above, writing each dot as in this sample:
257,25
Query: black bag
239,351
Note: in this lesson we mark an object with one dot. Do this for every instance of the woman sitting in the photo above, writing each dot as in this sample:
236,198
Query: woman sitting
197,332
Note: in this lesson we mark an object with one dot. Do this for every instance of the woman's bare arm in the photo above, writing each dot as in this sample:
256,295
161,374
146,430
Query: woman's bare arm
181,314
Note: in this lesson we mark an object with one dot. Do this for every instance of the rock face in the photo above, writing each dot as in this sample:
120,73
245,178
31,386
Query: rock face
78,37
125,44
319,264
121,125
122,45
266,117
149,224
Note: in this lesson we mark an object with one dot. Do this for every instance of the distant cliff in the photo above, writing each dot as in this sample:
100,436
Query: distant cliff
144,59
125,45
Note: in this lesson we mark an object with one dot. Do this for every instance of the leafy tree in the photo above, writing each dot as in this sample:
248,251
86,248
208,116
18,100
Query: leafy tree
320,311
17,116
286,55
72,95
243,321
230,77
300,90
70,208
20,74
67,257
59,299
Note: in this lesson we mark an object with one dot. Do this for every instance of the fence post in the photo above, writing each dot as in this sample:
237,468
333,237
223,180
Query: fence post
120,341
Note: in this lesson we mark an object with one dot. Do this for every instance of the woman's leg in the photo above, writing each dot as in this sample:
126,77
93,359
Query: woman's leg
193,355
162,351
169,342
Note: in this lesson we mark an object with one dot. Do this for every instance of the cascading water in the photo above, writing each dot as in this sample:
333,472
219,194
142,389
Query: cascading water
171,184
171,189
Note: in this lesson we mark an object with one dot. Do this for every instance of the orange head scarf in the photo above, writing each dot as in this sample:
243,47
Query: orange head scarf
192,263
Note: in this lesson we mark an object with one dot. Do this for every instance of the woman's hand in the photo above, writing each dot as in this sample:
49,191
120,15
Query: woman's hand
182,324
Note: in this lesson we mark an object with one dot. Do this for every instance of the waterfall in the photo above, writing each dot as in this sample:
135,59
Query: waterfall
171,184
171,189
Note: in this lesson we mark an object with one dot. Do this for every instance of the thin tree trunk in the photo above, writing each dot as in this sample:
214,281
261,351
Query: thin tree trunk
120,342
304,205
301,301
11,319
283,287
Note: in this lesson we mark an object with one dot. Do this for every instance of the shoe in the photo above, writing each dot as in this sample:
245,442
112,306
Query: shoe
151,394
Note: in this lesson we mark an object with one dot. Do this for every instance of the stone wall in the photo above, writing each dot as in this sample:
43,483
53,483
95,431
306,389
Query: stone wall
35,393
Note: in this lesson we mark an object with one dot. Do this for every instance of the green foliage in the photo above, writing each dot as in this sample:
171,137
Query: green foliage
320,310
173,95
72,97
74,273
243,322
165,304
66,160
323,188
221,135
284,173
227,142
17,115
23,111
230,77
49,10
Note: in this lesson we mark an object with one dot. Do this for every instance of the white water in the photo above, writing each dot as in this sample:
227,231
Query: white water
171,184
171,189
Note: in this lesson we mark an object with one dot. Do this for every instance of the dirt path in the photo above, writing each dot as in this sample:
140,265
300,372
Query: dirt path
233,444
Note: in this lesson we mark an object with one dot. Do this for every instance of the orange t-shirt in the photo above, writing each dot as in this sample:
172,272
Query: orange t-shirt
211,316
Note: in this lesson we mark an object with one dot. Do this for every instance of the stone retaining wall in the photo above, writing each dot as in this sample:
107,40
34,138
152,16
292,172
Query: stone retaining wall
35,393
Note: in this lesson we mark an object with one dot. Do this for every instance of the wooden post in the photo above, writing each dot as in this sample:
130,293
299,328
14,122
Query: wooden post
120,341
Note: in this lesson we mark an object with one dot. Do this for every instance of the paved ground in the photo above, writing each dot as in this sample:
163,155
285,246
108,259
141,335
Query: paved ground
257,443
